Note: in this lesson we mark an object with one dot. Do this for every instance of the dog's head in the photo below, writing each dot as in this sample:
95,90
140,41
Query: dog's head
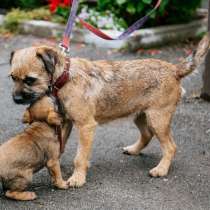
31,71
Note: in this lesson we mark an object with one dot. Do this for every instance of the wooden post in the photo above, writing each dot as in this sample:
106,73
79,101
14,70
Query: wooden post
205,93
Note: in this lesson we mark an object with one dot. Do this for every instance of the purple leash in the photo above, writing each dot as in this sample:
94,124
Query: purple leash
68,30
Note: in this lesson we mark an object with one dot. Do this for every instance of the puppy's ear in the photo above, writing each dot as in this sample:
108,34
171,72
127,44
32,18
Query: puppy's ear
49,58
11,57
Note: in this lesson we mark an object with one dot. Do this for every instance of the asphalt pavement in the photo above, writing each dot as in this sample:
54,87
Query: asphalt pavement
117,181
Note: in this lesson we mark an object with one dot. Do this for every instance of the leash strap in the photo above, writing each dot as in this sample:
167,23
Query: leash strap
59,83
70,23
138,24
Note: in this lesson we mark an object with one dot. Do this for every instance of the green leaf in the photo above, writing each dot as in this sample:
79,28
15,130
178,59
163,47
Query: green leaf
119,2
147,1
140,7
64,12
131,9
163,6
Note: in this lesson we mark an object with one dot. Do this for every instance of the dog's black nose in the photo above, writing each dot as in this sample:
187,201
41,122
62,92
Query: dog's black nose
18,99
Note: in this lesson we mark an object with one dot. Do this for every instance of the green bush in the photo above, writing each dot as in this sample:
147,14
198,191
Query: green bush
13,18
16,16
107,14
126,12
170,11
6,4
30,4
25,4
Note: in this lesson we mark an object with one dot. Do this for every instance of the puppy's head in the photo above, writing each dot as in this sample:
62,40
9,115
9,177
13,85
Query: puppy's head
31,71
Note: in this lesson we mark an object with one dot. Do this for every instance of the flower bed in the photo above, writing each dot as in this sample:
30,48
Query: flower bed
106,14
125,12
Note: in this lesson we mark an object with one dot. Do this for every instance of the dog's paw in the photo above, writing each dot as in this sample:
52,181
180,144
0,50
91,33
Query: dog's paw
26,117
22,196
63,185
54,119
76,180
130,150
158,171
31,196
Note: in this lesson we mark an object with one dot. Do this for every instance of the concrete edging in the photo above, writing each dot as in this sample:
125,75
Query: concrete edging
142,38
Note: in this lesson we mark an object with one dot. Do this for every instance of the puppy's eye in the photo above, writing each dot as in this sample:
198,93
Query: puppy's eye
29,80
13,78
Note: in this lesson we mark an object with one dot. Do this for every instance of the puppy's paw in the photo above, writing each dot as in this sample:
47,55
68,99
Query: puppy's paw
22,196
158,171
77,180
26,117
54,118
63,185
31,196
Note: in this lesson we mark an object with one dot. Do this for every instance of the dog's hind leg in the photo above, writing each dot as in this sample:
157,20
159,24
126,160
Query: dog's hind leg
145,137
159,120
17,186
81,161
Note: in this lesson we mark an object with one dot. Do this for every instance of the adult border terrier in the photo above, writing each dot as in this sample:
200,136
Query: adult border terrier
28,152
101,91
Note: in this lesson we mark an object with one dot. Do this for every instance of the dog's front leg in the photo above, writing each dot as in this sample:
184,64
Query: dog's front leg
81,161
55,172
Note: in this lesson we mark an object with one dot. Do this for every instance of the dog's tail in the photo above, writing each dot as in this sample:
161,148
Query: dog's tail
189,64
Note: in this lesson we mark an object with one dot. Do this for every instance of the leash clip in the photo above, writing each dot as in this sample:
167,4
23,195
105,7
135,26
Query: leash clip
64,50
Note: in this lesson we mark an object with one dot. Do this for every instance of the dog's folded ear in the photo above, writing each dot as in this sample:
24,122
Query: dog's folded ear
49,58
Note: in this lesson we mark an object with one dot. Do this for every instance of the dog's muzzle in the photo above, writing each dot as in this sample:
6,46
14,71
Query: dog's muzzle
24,98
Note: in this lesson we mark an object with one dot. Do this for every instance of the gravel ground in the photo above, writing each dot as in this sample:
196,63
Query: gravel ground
117,181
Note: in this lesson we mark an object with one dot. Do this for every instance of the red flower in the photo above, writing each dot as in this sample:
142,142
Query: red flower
55,3
67,2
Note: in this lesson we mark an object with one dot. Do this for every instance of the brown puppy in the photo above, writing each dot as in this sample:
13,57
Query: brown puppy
28,152
101,91
42,110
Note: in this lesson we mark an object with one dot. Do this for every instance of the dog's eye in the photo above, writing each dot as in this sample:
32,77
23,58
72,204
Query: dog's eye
29,80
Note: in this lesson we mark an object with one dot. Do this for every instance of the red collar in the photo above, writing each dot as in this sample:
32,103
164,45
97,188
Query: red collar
62,79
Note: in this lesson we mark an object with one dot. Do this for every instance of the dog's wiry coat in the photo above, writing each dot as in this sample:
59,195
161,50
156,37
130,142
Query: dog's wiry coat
101,91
